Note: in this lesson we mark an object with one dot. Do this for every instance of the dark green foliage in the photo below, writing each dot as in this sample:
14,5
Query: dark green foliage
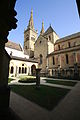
28,80
67,83
9,80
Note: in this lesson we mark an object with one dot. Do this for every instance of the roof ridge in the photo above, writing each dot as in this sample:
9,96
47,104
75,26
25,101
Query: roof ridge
13,45
49,30
68,37
12,42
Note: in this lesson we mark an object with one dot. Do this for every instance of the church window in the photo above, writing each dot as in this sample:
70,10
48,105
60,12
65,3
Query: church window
49,37
19,69
27,38
69,45
26,47
62,46
67,59
53,60
12,70
58,47
25,70
22,69
52,72
40,41
41,57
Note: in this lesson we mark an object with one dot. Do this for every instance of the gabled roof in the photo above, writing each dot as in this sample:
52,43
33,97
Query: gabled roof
49,30
40,37
69,37
13,45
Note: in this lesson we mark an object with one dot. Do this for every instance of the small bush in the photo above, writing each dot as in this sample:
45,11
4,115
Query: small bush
27,79
9,80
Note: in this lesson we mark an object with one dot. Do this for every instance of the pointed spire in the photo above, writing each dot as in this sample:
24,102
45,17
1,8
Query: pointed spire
50,25
42,30
31,24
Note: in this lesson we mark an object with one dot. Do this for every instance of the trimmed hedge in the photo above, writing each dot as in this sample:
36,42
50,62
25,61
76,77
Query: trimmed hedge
27,80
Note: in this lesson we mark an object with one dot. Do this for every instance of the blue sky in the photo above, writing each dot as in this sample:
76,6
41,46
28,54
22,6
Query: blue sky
61,14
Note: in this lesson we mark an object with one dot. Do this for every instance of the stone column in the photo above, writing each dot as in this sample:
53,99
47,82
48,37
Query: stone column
76,74
7,22
38,77
59,72
4,71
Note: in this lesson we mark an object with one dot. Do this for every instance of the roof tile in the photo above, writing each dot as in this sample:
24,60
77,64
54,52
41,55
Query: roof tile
13,45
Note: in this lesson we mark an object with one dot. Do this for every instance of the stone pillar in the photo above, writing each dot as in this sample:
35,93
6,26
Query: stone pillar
38,77
7,22
59,71
4,72
76,57
76,74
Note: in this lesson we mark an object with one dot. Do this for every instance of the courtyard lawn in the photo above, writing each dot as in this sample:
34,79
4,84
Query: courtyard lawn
47,97
67,83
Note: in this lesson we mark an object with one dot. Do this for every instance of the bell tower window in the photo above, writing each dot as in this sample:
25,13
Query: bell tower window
27,38
26,47
49,37
58,47
69,45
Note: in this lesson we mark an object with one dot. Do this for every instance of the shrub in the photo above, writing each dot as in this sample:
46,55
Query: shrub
27,79
9,80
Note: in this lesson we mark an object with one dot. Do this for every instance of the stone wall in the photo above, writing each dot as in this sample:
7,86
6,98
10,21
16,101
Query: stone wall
66,55
19,67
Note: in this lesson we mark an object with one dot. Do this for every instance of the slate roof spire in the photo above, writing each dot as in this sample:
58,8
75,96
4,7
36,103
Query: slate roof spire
49,30
42,30
31,23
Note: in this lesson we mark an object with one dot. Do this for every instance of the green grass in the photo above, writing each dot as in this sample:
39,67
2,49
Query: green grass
47,97
67,83
9,80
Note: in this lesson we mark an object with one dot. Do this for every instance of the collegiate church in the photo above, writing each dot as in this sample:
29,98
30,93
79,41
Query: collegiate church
57,57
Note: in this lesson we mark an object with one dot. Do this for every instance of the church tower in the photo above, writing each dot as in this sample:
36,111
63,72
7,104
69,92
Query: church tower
30,36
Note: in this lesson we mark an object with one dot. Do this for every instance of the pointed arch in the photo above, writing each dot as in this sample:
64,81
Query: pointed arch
33,70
